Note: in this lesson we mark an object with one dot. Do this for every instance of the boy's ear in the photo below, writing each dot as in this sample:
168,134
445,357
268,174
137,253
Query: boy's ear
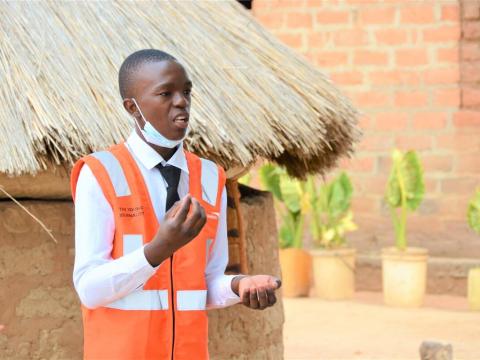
130,106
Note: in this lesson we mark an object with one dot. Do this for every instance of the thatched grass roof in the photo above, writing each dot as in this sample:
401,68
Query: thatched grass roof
253,97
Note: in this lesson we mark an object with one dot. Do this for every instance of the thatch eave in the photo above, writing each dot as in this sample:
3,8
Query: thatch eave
253,97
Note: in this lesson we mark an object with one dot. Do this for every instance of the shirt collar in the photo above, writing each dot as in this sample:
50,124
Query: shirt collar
150,158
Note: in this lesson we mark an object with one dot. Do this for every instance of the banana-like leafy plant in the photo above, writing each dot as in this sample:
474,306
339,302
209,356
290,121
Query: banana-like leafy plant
473,213
404,193
292,194
330,210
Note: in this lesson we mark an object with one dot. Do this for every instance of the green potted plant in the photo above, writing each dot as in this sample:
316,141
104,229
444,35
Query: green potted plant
292,206
473,216
331,219
404,268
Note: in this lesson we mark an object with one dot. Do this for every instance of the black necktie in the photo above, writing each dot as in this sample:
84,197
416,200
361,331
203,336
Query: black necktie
171,174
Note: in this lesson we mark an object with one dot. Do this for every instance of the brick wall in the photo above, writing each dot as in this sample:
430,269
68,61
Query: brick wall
412,68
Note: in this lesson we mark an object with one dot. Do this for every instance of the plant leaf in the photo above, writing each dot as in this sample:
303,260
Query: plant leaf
405,181
270,179
473,212
291,193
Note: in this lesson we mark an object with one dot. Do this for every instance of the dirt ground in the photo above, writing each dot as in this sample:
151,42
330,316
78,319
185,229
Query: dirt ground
366,329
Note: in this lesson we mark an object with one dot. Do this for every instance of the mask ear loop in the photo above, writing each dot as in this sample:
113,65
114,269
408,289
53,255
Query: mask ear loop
141,114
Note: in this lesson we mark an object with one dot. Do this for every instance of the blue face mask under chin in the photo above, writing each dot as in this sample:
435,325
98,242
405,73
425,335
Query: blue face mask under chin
153,136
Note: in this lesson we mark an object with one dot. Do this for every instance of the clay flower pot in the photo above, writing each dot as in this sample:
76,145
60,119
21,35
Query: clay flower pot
474,288
404,276
296,265
334,273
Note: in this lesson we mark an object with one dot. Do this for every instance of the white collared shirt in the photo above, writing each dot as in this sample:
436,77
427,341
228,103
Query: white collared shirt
99,279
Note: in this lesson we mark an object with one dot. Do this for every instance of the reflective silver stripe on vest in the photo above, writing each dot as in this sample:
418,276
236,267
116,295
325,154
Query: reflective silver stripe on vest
115,171
191,300
209,181
139,299
142,300
131,243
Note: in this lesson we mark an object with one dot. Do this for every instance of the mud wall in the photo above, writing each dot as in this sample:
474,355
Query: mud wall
40,310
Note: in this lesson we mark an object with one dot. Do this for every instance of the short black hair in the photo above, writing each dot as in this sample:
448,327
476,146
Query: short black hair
133,62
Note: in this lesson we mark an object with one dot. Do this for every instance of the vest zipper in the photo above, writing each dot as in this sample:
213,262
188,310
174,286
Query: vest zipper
173,306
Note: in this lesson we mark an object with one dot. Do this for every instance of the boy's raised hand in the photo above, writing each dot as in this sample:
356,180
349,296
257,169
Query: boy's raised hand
182,223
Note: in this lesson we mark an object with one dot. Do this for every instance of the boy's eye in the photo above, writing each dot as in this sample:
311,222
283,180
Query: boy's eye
187,92
166,93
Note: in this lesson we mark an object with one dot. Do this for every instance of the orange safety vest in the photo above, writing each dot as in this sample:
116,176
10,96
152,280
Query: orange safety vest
166,318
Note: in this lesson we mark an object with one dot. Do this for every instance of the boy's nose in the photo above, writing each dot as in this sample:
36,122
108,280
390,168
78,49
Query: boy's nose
180,101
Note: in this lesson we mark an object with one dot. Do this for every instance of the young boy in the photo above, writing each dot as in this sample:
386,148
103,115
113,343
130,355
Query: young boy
150,229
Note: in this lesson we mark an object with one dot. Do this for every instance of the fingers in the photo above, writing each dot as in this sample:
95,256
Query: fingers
182,209
275,282
254,303
272,298
197,219
262,298
246,297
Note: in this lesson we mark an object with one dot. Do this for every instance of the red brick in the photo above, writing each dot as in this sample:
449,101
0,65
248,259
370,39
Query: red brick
410,98
366,122
311,55
417,142
371,184
347,77
391,121
470,96
442,76
286,4
411,57
353,37
431,184
293,40
470,71
376,143
468,164
470,51
450,12
368,57
434,163
429,121
331,58
377,15
447,97
459,185
271,19
471,9
363,164
299,20
458,142
372,99
317,40
314,3
419,14
384,164
323,17
260,5
442,33
361,2
448,55
450,207
471,30
391,36
365,204
466,119
394,77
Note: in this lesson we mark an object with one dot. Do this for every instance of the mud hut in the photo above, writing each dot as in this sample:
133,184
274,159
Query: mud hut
254,99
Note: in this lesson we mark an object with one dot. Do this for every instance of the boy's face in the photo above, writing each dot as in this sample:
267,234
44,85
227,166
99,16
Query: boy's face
162,90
